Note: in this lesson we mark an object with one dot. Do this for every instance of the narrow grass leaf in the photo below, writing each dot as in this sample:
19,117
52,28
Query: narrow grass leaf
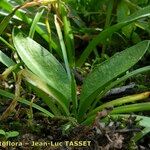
4,59
74,95
6,5
34,23
121,101
124,100
140,107
122,11
109,13
69,39
105,35
6,20
63,47
9,45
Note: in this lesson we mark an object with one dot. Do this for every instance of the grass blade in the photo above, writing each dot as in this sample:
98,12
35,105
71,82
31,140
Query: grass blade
9,45
4,59
140,107
34,23
105,35
69,39
121,101
6,20
62,46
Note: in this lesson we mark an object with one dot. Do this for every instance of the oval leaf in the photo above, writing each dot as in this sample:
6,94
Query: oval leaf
108,71
42,63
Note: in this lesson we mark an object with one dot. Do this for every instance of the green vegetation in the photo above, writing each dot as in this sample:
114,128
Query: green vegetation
10,134
45,52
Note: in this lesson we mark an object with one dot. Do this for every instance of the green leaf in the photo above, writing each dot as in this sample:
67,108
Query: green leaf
109,13
6,20
21,15
43,64
122,10
6,5
63,46
11,134
116,82
140,107
121,109
47,100
6,43
68,36
105,35
34,23
2,132
108,71
144,121
38,82
4,59
121,101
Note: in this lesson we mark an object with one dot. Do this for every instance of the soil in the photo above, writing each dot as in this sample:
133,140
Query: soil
43,133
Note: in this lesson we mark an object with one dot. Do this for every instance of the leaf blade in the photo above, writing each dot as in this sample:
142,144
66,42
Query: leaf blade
43,64
4,59
104,36
108,71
